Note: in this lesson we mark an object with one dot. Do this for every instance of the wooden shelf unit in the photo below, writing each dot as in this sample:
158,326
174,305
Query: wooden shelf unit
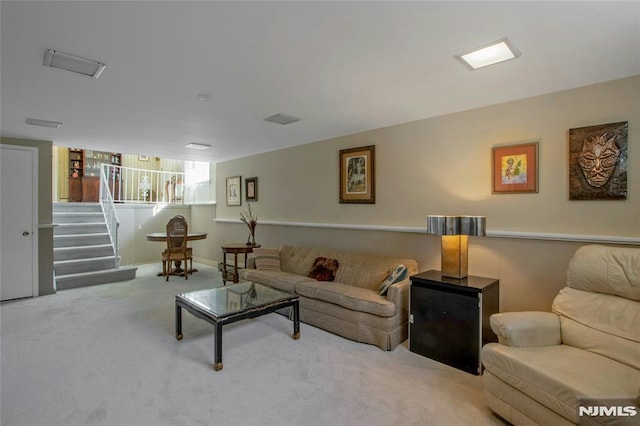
84,172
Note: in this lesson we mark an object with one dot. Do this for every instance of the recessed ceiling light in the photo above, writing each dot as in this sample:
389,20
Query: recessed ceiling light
55,59
282,119
489,54
194,145
43,123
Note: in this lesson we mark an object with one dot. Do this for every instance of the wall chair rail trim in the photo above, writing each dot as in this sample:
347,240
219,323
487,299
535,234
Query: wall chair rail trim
603,239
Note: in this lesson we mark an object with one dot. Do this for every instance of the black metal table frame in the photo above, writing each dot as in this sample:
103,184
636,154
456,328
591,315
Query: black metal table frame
218,322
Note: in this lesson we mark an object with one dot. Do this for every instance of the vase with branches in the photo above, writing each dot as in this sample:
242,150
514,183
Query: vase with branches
251,220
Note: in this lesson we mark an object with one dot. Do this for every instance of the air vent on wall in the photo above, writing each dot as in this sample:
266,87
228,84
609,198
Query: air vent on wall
55,59
282,119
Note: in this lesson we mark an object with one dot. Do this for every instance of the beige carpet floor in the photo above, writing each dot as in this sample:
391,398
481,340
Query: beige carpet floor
107,355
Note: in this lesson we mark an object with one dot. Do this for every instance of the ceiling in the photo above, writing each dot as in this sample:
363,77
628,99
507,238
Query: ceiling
342,67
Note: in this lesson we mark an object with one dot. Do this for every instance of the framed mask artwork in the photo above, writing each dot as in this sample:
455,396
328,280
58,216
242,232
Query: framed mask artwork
598,162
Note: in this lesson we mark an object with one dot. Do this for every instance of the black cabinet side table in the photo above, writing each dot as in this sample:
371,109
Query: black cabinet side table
449,318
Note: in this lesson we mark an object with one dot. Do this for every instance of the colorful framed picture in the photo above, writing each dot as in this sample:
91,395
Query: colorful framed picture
598,162
234,191
515,168
357,175
251,189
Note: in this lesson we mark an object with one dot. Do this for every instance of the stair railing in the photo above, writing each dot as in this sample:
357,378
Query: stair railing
132,185
109,211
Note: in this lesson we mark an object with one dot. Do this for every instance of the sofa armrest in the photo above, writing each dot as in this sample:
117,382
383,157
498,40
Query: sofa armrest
527,329
399,294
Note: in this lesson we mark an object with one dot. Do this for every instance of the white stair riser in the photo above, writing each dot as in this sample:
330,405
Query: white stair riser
77,217
93,278
76,207
76,266
83,252
80,240
81,228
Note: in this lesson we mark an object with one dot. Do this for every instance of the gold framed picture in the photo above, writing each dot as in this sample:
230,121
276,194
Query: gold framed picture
515,168
234,191
357,175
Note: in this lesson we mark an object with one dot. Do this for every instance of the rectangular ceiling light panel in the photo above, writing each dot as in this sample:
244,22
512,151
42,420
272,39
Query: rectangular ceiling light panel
493,53
55,59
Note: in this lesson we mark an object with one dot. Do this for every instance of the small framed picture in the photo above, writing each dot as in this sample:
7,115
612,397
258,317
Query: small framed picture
357,175
143,158
234,191
515,168
251,189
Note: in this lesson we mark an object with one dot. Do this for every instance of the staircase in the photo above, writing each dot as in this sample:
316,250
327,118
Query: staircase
82,250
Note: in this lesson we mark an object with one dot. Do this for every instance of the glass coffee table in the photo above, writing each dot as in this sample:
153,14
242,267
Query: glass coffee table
226,305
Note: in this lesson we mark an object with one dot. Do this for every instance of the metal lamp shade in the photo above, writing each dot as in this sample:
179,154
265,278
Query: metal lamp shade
454,231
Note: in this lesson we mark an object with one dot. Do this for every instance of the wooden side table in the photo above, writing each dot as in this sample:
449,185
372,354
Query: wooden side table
231,273
449,318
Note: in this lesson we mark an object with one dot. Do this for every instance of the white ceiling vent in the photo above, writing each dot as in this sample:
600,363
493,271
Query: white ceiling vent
43,123
194,145
282,119
55,59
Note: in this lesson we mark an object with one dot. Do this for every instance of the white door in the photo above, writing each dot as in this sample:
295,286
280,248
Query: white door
18,222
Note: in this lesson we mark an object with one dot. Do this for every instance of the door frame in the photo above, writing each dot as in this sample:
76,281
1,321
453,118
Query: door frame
34,225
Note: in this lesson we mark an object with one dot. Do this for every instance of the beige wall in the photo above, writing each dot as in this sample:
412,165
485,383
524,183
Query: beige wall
137,220
45,234
442,165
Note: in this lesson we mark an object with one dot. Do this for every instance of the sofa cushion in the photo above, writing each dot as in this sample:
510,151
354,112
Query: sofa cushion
324,269
604,269
601,323
554,375
285,281
398,274
347,296
267,259
516,407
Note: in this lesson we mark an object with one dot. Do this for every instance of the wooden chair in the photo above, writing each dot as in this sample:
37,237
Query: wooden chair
177,250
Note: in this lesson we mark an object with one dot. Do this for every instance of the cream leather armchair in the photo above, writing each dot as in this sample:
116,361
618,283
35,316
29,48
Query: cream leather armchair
588,346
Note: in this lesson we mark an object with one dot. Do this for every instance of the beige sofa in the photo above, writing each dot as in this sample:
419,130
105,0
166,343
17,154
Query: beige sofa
588,347
350,305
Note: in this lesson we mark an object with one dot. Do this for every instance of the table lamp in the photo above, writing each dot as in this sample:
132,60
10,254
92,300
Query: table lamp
454,231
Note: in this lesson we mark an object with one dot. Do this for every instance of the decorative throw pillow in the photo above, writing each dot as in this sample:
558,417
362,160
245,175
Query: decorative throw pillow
324,269
398,274
267,259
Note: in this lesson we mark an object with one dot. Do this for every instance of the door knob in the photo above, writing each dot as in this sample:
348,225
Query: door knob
25,233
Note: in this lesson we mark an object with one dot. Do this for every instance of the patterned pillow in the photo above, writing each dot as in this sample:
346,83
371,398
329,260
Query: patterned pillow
324,269
398,274
267,259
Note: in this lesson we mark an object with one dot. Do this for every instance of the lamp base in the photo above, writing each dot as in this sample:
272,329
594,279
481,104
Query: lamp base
454,256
